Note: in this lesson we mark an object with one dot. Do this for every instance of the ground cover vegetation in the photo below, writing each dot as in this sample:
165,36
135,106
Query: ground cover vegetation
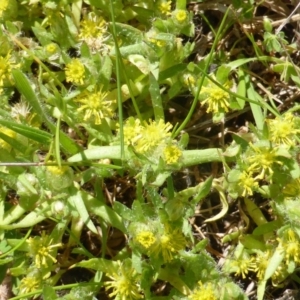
149,149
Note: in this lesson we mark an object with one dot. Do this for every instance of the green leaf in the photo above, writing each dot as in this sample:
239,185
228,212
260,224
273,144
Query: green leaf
29,132
202,190
99,264
49,293
156,98
24,87
103,211
15,144
241,89
255,103
274,263
77,201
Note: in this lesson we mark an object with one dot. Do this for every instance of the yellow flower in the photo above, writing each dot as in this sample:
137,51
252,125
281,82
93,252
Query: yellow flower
165,7
261,263
217,99
96,106
180,15
172,154
75,71
289,243
132,131
152,135
204,292
242,266
41,250
146,239
261,160
283,129
6,65
55,170
168,244
247,183
3,6
92,27
51,48
189,80
8,132
29,284
124,284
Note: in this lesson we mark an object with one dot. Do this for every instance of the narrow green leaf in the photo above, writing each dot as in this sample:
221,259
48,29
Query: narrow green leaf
241,89
25,89
99,264
255,103
204,189
274,263
77,201
29,132
103,211
156,98
56,144
15,144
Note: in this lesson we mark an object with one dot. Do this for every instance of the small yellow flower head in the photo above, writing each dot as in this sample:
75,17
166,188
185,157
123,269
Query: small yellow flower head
132,131
261,263
172,154
217,99
189,80
261,160
180,15
40,249
242,266
145,238
8,132
290,244
283,129
55,170
75,71
165,7
152,135
3,6
29,284
204,292
96,106
51,48
248,183
92,27
124,285
6,65
168,244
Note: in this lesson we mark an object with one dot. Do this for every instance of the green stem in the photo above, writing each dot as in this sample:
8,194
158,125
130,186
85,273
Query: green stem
210,56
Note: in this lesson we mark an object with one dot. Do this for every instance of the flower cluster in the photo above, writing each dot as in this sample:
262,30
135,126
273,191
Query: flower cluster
153,138
75,72
165,7
216,98
124,284
261,160
204,292
283,129
92,31
289,243
96,105
6,66
41,250
163,242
